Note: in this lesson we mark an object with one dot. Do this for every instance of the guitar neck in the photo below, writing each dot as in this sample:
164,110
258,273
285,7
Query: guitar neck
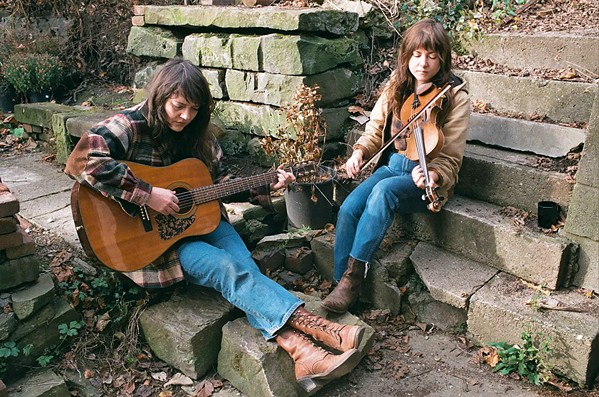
208,193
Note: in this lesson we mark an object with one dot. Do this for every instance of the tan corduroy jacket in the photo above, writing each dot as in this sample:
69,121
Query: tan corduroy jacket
455,129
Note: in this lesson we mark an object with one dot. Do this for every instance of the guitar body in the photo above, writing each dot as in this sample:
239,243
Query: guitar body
122,242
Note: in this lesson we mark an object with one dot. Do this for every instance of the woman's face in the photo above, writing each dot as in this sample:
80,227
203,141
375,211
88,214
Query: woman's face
424,65
179,112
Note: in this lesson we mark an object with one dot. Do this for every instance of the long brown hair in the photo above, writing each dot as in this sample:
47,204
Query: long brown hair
429,35
179,76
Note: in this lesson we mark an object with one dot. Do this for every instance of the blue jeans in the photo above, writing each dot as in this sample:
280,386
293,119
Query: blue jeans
368,211
220,260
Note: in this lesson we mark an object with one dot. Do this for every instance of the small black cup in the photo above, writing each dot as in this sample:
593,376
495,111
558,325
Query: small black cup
548,213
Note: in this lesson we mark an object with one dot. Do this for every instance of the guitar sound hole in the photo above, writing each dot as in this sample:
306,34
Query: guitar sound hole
185,200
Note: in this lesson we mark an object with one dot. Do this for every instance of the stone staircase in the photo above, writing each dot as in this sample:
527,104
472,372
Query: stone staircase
479,255
474,257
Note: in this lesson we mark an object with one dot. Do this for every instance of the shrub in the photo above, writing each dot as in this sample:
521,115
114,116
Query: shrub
33,72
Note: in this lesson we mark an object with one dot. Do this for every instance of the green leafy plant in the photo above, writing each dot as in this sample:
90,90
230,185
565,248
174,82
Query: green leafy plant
528,360
70,329
30,72
500,9
9,349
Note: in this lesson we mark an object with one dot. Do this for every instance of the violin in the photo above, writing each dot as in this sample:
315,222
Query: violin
418,116
425,136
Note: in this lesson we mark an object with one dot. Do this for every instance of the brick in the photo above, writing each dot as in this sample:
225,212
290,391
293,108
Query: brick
9,205
8,224
138,10
27,248
11,240
137,20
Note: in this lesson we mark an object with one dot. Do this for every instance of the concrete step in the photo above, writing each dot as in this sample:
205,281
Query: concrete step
499,312
549,50
561,101
510,179
478,231
449,278
544,139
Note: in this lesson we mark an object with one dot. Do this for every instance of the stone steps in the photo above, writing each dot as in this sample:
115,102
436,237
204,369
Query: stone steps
497,310
561,101
511,179
478,231
551,50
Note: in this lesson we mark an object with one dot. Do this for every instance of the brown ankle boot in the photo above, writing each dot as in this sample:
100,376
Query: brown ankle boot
341,337
346,292
313,363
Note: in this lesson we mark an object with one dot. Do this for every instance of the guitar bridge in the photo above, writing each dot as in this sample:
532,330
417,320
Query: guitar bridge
146,221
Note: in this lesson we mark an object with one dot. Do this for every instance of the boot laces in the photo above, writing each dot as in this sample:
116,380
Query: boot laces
318,323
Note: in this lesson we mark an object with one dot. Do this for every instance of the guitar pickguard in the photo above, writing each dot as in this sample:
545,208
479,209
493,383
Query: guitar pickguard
170,227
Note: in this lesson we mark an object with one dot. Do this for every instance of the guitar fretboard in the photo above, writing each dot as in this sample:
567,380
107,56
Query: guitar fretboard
208,193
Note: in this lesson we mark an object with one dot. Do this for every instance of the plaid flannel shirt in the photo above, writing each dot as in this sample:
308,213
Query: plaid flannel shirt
126,136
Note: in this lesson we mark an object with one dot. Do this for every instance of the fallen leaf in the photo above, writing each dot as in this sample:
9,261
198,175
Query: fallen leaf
88,373
204,389
165,393
161,376
179,379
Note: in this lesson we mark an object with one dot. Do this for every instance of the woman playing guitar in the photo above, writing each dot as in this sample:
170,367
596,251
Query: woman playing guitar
169,128
398,183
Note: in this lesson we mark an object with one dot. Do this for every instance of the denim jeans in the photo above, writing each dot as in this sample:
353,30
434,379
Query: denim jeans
368,211
220,260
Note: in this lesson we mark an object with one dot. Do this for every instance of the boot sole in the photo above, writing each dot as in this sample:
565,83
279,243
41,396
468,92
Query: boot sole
344,367
358,337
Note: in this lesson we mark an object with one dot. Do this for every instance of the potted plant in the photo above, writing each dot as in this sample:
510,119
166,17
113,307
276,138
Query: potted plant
309,200
34,75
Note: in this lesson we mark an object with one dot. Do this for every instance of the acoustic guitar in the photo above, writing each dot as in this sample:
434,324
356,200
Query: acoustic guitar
127,237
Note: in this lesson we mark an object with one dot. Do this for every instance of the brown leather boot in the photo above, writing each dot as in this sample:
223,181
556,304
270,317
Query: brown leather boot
341,337
312,363
346,292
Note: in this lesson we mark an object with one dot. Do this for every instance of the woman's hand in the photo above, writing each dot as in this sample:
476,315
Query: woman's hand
354,163
164,201
284,179
418,177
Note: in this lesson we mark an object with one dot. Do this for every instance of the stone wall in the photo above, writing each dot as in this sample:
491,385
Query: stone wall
254,58
31,311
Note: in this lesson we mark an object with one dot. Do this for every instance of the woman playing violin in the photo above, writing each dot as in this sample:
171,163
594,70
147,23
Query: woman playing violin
397,184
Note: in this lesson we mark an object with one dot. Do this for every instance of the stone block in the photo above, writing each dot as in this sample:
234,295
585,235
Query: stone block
581,221
28,247
499,313
233,142
42,383
272,18
464,227
3,389
210,50
154,42
18,271
396,260
185,331
268,259
564,101
548,50
259,155
307,55
587,275
380,290
39,114
9,240
265,120
41,331
277,89
77,126
544,139
299,260
259,368
253,365
588,168
216,80
8,224
246,53
9,204
8,323
452,280
322,248
30,299
496,176
64,144
425,309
